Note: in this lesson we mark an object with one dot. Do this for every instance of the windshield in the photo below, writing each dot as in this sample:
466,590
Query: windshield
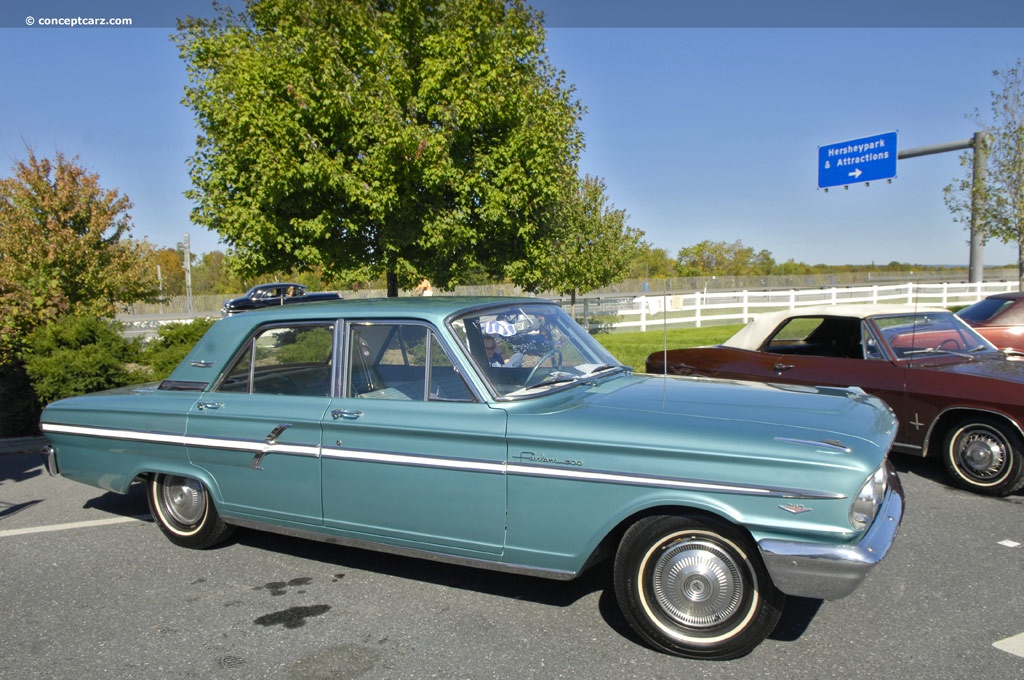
524,349
910,335
986,309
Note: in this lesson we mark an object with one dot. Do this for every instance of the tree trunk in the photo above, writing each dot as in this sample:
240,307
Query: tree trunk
392,284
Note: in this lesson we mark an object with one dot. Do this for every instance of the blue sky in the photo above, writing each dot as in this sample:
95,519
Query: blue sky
699,133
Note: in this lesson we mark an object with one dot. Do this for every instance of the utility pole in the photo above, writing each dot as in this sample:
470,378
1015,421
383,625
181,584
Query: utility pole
187,266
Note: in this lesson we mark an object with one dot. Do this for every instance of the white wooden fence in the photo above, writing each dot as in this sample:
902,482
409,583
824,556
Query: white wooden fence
712,308
606,312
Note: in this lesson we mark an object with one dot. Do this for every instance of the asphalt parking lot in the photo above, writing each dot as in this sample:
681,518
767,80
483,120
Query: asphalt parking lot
91,589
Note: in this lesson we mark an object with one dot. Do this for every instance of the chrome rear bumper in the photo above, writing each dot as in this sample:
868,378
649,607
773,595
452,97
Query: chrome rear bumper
50,460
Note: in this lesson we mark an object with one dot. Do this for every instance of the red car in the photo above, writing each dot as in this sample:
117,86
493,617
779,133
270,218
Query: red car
999,318
954,394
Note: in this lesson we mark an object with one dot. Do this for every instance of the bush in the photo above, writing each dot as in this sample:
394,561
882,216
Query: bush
77,355
175,340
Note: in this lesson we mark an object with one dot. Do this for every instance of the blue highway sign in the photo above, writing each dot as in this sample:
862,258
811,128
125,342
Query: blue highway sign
867,159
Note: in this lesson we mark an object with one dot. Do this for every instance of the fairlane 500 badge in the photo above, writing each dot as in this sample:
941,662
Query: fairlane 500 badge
531,457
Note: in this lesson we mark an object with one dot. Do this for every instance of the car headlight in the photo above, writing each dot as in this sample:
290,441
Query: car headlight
869,499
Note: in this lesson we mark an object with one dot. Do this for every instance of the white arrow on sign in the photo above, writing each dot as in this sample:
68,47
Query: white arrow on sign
856,173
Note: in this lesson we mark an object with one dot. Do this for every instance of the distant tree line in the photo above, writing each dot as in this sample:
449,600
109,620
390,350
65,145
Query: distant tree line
723,258
212,272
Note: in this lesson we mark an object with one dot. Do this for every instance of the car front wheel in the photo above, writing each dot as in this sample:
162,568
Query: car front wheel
985,456
694,588
185,513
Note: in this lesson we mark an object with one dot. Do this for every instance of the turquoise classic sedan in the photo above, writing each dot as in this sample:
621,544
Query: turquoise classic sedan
495,432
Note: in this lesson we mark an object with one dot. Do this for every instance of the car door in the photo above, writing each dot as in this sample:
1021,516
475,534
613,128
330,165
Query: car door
411,454
258,430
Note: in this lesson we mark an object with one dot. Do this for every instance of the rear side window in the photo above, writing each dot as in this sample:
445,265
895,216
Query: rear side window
291,360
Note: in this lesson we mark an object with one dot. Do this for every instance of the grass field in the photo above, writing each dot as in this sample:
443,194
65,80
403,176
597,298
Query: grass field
632,348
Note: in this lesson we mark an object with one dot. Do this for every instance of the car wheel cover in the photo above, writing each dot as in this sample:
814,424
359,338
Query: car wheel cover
696,587
981,454
184,500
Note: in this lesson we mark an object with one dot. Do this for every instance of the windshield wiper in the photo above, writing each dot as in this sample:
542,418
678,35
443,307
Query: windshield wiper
553,379
603,367
939,350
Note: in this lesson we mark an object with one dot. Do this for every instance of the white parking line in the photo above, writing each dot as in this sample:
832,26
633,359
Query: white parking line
74,525
1010,544
1014,645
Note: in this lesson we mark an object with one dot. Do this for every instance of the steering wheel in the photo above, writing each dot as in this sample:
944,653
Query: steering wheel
556,363
949,343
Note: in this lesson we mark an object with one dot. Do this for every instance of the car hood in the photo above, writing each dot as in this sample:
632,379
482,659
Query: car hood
847,412
705,428
992,365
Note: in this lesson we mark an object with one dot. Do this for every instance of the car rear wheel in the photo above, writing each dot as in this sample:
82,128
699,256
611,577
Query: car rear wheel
185,513
984,455
694,588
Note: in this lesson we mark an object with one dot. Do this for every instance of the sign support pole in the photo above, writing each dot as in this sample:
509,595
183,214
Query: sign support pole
978,143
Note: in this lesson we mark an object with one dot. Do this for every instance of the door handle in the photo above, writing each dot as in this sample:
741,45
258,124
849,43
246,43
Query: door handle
347,414
209,405
779,368
276,432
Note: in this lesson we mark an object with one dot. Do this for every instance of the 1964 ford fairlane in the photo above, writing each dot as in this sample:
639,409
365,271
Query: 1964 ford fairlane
497,433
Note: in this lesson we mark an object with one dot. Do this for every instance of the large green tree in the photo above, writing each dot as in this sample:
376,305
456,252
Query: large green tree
1000,198
417,137
64,248
592,245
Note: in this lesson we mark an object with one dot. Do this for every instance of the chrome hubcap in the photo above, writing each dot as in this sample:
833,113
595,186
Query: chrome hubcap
983,454
697,584
184,500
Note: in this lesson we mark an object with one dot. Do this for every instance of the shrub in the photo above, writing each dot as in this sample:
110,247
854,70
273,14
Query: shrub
77,355
174,341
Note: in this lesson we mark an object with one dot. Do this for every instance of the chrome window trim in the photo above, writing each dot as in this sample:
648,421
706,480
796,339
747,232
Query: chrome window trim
344,347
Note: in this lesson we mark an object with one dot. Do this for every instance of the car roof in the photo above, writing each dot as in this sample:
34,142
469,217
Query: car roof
225,335
753,335
1005,296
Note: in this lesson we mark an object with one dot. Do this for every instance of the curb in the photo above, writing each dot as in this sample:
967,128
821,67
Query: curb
18,445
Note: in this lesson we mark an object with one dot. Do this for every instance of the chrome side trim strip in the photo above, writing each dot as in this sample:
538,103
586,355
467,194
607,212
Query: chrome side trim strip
830,445
416,461
253,446
550,472
482,466
667,482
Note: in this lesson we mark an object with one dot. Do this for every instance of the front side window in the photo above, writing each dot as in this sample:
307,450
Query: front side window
819,336
401,362
294,360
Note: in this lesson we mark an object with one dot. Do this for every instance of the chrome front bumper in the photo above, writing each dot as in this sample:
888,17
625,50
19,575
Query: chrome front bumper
832,572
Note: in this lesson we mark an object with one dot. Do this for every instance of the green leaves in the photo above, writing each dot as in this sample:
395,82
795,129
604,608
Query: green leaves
64,248
719,258
998,198
416,137
591,245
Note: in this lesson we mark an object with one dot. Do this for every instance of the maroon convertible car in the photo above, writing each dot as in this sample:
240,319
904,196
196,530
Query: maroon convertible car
955,395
